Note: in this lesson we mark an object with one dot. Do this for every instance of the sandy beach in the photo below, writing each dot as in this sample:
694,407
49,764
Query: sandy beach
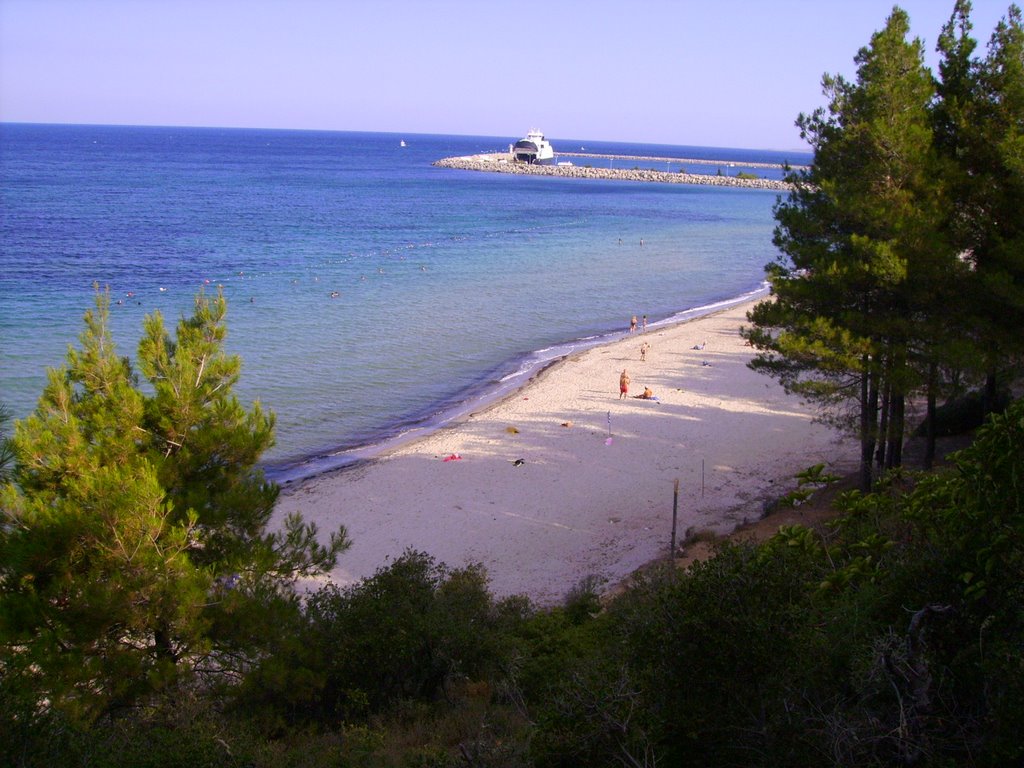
564,480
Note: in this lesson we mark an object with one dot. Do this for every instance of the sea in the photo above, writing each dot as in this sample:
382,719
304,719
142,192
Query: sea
372,297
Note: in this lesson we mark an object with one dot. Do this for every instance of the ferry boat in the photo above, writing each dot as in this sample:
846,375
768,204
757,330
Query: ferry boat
534,149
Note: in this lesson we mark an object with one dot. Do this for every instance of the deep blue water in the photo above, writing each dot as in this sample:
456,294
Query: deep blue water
452,285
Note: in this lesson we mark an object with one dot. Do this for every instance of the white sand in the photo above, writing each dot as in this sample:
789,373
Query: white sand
578,506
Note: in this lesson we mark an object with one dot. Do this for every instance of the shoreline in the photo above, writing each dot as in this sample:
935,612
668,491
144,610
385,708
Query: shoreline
561,480
521,371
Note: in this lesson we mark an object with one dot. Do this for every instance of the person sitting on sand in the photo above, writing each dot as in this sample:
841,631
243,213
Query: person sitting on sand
623,384
647,395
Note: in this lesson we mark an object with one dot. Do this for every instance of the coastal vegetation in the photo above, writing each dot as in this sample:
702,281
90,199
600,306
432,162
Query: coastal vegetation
901,267
148,617
891,637
133,533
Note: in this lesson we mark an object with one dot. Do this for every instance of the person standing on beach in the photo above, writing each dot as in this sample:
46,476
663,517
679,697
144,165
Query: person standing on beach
623,384
632,324
643,324
643,350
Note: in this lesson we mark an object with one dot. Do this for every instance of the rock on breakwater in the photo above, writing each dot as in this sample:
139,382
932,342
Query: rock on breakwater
499,163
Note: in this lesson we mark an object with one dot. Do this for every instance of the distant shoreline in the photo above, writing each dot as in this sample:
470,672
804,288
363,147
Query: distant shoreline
500,163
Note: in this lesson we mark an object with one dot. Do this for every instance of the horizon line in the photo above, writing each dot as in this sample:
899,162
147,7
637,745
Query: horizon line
806,150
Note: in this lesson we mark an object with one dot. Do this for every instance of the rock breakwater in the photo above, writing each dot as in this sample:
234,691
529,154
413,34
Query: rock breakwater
501,164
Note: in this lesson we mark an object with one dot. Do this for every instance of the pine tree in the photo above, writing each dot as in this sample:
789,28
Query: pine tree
133,535
92,559
980,125
848,322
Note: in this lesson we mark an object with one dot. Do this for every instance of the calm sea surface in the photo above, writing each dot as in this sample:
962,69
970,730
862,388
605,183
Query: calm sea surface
452,286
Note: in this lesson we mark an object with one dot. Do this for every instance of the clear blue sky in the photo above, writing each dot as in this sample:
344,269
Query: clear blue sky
699,72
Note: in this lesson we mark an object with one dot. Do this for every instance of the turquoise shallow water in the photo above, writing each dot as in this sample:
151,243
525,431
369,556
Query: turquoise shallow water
451,284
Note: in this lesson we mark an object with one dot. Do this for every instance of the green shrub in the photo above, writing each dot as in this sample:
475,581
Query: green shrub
404,633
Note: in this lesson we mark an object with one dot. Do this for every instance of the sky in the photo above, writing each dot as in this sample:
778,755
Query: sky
720,73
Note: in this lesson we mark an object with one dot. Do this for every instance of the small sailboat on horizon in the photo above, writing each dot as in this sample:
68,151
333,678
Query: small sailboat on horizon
402,143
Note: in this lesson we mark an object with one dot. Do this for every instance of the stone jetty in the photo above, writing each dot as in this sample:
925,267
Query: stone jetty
502,163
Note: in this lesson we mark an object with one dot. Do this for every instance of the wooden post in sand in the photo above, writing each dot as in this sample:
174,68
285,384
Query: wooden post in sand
675,512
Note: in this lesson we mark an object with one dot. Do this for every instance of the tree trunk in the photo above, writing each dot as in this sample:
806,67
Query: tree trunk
883,426
163,645
868,418
929,448
894,453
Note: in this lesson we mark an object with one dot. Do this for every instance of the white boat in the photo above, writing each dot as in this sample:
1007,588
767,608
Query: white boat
534,149
402,143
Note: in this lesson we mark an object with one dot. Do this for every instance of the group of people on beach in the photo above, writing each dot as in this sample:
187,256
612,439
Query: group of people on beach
644,349
624,376
632,324
624,388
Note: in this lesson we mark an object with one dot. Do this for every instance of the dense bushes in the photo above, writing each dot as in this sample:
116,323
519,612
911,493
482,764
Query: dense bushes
405,633
896,638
